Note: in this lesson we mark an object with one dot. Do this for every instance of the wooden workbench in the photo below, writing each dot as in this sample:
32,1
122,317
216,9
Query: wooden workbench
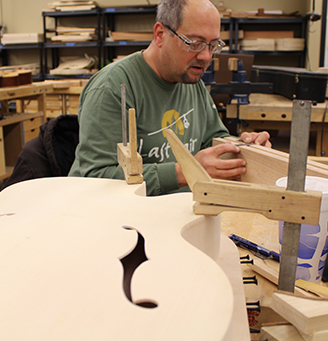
274,112
12,125
62,100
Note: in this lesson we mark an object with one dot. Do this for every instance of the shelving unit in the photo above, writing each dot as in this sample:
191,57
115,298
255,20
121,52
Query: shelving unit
39,46
105,19
109,16
55,47
297,25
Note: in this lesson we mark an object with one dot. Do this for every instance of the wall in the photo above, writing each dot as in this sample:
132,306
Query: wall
26,15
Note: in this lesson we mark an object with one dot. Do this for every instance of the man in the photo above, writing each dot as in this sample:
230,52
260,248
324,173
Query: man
163,85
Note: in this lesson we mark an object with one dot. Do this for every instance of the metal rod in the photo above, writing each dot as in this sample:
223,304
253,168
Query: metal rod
124,118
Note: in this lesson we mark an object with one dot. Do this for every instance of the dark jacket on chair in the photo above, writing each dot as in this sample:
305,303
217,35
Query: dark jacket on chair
51,153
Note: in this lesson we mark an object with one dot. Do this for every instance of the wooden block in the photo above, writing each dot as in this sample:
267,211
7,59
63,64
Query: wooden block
320,290
233,64
321,335
272,275
307,315
280,333
260,44
290,44
266,166
321,159
128,166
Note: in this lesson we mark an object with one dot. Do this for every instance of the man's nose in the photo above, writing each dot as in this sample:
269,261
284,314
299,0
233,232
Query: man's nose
205,55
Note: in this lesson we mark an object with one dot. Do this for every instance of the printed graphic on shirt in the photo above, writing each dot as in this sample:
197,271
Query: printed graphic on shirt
170,120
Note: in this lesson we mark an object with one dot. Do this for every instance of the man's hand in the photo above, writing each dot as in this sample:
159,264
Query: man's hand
261,138
217,168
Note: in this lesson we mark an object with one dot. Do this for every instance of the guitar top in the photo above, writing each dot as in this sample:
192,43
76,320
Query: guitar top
95,259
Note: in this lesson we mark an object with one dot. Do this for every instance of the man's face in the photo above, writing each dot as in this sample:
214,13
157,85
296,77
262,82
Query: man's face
185,66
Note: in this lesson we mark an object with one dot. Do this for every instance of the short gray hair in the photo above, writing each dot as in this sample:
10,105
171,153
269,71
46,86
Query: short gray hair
169,12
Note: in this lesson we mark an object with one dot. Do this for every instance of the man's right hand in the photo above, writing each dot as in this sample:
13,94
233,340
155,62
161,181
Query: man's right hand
216,167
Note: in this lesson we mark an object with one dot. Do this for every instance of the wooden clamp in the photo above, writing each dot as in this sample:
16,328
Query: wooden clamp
128,157
215,196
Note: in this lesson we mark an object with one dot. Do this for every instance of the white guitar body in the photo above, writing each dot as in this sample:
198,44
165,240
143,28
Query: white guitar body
67,245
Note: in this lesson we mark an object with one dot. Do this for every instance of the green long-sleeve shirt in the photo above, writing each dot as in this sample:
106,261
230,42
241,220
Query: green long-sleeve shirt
188,109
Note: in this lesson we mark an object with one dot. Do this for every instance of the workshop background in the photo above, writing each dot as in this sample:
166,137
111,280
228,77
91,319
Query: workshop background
26,16
59,45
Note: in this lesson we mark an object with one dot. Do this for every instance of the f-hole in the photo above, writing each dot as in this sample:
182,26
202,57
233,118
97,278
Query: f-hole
130,263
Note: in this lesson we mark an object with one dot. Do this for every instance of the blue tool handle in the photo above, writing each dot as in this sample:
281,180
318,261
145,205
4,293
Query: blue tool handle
254,247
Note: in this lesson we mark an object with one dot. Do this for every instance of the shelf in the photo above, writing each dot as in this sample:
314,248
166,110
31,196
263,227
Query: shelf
18,117
48,76
295,24
21,46
127,43
55,47
106,51
72,44
269,21
130,10
270,53
71,13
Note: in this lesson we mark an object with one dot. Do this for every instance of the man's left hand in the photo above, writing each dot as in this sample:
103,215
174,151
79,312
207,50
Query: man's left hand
261,138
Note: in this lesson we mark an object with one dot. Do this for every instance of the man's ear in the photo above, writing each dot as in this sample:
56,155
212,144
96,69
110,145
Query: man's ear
159,33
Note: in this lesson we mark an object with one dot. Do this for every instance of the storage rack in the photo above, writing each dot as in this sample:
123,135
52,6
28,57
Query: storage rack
108,17
106,20
39,46
298,25
54,47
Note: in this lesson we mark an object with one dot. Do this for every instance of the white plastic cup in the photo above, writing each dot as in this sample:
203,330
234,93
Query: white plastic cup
313,246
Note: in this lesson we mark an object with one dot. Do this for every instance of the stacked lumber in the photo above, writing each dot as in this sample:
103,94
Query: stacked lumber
290,44
133,36
74,34
75,65
72,5
307,317
272,40
258,44
21,38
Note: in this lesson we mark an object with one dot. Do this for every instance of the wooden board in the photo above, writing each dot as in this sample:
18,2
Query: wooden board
266,166
307,315
61,257
269,107
280,333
